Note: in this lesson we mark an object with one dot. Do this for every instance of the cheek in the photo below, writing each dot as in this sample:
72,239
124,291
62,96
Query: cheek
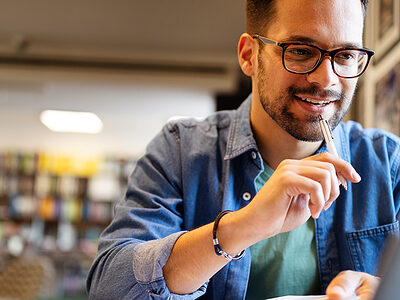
270,66
273,78
349,86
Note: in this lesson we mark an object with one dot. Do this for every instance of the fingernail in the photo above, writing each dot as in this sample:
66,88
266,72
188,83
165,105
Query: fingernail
328,205
355,175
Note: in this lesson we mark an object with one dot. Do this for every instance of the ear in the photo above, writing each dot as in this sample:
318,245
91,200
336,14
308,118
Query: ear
247,49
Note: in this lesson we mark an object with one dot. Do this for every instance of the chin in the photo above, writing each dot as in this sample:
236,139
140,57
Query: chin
313,134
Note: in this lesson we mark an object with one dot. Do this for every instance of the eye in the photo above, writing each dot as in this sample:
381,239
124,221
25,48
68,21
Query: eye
346,56
300,52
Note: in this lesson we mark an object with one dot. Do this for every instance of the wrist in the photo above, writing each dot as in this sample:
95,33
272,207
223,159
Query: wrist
261,220
235,232
217,247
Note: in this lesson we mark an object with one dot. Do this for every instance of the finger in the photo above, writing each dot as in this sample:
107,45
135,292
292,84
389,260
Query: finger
301,185
368,287
341,166
321,175
343,286
335,191
334,185
334,182
326,176
319,171
350,283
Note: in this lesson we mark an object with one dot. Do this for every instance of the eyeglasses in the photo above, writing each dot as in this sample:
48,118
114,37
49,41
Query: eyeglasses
302,58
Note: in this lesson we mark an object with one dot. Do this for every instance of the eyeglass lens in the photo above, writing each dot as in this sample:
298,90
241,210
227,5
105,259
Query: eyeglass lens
303,59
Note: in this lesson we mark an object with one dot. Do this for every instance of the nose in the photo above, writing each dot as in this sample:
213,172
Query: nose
324,75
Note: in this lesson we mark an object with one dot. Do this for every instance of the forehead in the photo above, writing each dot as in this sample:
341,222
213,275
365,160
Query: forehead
330,22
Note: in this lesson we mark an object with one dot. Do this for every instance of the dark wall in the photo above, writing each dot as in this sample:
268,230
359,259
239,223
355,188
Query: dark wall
233,100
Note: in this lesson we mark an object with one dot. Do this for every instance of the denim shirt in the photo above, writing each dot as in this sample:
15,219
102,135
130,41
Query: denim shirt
192,170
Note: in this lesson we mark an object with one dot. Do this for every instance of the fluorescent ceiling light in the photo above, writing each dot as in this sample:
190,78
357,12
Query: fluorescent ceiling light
71,121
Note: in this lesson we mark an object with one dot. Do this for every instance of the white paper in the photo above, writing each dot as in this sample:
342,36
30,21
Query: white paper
320,297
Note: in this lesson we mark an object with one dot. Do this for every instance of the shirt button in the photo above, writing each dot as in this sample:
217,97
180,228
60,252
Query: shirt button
246,196
253,154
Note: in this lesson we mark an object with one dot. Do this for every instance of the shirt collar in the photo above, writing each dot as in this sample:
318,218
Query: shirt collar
240,137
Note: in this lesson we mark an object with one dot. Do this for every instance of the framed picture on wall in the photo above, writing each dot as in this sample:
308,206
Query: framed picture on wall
382,26
381,101
387,101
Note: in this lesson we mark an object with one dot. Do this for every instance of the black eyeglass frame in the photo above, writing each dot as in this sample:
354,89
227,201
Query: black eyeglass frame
330,53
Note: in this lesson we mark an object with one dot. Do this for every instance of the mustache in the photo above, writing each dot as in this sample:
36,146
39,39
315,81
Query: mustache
316,92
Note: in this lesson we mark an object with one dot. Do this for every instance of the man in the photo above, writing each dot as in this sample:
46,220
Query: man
268,164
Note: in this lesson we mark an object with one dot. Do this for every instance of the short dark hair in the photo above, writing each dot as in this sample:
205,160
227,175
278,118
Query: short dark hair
260,13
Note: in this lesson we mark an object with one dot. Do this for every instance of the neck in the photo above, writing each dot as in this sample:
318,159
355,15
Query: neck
273,142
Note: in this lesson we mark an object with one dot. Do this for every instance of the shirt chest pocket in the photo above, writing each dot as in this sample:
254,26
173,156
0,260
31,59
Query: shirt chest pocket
365,245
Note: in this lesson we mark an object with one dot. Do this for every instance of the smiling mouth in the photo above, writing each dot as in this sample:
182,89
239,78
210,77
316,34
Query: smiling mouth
314,101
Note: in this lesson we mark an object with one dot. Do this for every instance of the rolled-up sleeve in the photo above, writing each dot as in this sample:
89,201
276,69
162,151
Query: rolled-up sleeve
134,248
135,272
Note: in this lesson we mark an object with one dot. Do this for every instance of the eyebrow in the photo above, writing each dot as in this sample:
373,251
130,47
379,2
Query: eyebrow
308,40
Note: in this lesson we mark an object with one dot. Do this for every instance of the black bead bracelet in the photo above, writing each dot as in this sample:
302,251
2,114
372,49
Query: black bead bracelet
217,247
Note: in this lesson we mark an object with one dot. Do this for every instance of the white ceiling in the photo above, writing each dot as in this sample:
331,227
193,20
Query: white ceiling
159,27
133,104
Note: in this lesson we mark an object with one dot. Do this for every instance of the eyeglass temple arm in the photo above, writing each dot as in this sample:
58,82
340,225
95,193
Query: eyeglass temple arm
265,40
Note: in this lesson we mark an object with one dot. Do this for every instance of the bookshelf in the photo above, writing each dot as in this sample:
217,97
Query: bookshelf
56,206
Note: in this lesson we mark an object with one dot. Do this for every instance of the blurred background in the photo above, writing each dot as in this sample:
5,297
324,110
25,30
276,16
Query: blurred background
132,65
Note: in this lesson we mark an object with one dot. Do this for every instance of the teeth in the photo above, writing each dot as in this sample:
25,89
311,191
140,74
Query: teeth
316,102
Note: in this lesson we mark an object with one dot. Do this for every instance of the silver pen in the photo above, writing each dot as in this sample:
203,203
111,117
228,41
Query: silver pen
328,136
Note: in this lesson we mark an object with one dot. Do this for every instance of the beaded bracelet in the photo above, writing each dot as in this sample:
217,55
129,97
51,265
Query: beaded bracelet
217,247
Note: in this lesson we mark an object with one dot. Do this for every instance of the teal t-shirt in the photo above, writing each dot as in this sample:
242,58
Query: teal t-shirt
285,264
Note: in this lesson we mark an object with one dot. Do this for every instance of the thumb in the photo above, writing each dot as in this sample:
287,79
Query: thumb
349,284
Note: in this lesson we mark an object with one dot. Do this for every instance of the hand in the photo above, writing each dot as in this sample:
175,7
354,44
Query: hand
349,283
297,190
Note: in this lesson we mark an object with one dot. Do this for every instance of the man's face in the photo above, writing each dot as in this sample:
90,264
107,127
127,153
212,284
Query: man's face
287,97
